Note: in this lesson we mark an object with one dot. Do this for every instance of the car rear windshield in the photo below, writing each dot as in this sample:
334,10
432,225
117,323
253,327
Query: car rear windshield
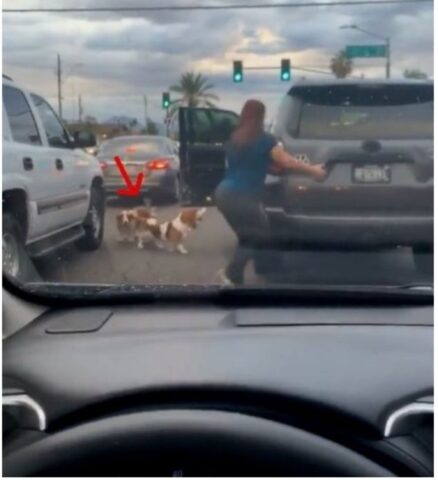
364,112
134,148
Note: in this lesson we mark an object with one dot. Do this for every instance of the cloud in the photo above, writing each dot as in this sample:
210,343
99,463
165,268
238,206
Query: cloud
125,55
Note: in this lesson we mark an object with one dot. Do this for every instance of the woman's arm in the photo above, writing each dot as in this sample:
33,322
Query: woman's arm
284,161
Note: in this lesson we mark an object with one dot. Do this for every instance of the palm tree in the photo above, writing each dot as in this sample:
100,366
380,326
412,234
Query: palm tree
341,65
195,91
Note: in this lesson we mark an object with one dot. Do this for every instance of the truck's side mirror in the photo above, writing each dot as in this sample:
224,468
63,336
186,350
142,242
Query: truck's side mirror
85,139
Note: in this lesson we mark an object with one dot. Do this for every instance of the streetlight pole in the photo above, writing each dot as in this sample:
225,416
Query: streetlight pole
388,57
387,41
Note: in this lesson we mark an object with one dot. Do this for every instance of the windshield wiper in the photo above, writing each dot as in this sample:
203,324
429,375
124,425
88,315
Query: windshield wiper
65,294
426,287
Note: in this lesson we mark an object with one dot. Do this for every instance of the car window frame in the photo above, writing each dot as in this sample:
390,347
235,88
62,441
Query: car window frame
70,143
32,115
197,137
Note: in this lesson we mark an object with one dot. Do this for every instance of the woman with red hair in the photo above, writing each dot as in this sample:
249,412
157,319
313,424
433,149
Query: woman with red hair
251,153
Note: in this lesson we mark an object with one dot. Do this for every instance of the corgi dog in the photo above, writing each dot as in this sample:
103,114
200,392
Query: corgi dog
126,222
171,234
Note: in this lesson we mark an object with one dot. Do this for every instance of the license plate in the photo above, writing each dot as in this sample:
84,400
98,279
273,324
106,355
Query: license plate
372,174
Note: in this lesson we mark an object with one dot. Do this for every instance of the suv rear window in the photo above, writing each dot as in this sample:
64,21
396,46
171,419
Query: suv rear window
364,112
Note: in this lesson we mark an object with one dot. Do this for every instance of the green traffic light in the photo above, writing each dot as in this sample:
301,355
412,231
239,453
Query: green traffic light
237,71
166,100
285,75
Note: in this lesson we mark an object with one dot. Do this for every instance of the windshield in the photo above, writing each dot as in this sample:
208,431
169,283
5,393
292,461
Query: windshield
218,144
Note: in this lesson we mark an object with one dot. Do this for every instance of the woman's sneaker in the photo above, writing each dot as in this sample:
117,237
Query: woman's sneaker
224,279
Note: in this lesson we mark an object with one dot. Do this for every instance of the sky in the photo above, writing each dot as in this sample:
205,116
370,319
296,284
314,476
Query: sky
113,59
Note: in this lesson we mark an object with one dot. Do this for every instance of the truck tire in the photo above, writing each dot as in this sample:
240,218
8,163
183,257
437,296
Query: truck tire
16,261
94,221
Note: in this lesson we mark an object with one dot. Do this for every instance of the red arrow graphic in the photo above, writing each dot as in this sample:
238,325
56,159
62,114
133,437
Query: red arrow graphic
131,190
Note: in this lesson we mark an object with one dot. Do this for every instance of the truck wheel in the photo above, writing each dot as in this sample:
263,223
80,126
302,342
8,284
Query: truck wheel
16,262
423,258
94,222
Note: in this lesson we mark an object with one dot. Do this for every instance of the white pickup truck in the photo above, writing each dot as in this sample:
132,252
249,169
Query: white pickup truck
53,191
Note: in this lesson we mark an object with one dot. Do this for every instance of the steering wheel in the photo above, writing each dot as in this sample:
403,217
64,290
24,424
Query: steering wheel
186,443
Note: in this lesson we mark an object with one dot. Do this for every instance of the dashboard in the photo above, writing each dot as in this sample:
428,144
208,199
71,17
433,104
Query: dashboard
181,391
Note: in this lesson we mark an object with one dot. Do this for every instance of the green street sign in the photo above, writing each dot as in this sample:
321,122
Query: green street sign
365,51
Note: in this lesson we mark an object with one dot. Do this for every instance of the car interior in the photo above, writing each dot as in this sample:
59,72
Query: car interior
341,387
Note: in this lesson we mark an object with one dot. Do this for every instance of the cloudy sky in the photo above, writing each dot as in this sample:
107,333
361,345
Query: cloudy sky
113,59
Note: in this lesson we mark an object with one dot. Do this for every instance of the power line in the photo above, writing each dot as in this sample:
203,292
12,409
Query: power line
241,6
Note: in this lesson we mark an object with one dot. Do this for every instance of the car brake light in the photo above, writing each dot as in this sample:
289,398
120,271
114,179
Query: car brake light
158,164
131,149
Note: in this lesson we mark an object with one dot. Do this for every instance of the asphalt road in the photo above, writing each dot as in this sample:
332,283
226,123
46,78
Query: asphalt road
209,247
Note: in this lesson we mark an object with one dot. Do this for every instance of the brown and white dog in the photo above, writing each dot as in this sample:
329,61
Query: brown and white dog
169,234
127,220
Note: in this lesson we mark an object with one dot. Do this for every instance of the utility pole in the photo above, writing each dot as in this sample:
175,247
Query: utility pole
59,75
388,57
80,109
167,122
146,122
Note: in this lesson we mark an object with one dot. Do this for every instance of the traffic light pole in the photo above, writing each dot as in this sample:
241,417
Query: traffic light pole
293,67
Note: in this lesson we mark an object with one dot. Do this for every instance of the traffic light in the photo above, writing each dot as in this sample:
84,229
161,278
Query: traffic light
237,71
166,100
285,70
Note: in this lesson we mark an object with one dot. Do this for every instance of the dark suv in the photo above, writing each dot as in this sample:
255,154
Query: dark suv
376,139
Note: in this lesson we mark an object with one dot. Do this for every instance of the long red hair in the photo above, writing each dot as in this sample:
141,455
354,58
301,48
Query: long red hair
251,123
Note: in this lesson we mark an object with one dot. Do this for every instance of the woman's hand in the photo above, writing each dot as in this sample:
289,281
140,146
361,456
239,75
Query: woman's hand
318,172
281,160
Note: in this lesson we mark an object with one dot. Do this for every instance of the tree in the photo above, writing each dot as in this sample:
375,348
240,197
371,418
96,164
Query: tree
194,90
341,65
90,120
151,128
415,73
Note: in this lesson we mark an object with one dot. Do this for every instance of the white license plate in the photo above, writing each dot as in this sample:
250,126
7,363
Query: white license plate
372,174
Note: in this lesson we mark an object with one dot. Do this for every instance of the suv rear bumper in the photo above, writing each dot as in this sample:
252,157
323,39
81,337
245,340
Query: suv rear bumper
351,231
